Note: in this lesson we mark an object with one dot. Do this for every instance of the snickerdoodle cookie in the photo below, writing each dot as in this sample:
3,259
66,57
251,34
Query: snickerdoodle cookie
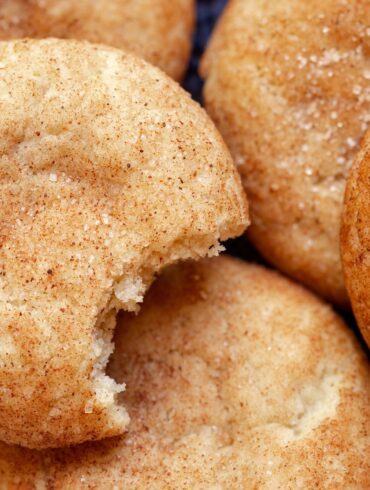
108,172
236,379
157,30
288,85
355,238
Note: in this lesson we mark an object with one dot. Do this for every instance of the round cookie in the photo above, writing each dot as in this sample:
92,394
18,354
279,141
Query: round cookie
355,238
287,83
108,172
157,30
236,378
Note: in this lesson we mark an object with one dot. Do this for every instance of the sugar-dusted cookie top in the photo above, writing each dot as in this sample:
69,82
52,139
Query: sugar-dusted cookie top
288,85
236,379
108,172
158,30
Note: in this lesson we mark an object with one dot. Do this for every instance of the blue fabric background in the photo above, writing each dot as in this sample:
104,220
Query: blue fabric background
207,14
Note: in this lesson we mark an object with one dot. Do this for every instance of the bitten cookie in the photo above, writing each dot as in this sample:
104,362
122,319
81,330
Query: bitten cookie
108,172
236,379
355,238
157,30
288,85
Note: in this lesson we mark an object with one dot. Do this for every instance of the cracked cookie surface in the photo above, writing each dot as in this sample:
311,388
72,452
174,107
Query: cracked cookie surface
108,172
236,378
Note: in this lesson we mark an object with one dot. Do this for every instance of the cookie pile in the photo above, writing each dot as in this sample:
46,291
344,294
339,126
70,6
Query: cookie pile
132,356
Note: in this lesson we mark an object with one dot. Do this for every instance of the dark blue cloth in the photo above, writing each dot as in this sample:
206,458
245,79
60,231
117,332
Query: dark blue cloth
207,14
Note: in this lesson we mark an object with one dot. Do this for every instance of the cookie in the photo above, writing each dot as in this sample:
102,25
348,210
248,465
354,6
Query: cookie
236,378
108,172
355,238
287,83
159,31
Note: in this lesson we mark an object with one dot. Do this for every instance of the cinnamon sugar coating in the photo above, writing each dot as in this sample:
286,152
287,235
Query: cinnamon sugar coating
108,172
236,379
288,85
355,238
156,30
